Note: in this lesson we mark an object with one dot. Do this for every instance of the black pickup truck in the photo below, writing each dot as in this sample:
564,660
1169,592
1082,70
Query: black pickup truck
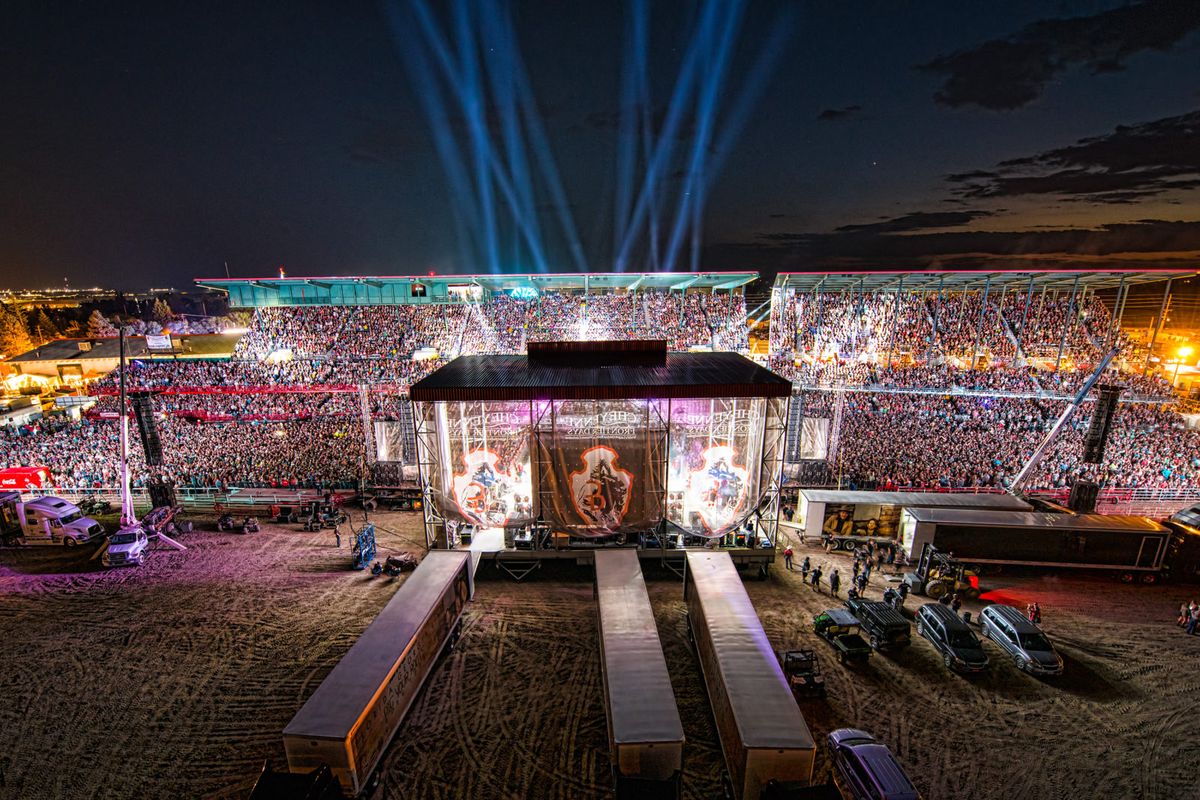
884,626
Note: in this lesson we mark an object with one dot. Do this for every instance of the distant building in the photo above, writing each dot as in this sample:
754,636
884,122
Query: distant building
73,361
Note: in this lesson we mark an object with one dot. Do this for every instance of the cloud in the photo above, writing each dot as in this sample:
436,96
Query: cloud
1144,244
916,221
831,114
1004,74
1132,163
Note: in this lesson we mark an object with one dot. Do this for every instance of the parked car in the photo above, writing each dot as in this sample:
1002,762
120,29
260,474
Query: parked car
864,769
961,650
1029,648
884,626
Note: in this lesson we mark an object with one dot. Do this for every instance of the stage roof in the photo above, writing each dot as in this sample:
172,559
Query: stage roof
952,281
681,375
395,289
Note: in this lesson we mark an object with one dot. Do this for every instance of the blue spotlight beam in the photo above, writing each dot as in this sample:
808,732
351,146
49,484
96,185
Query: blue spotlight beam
472,103
466,215
628,116
500,75
476,126
692,200
540,143
662,151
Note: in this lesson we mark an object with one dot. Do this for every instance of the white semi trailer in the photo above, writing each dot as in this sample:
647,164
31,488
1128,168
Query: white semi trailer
45,521
763,734
645,734
353,715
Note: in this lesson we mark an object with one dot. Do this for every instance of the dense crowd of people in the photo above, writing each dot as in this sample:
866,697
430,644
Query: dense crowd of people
952,441
962,326
286,410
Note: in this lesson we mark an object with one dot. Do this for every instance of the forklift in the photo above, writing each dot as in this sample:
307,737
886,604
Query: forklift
939,574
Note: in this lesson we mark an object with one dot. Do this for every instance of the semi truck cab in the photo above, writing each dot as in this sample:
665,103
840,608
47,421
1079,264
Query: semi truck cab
45,521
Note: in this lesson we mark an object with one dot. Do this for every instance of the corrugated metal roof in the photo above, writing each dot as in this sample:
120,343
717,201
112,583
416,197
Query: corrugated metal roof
919,499
494,377
1035,519
641,702
963,280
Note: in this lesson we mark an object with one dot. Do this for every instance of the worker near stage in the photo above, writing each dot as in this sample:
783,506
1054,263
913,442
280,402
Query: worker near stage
816,579
787,557
835,582
805,566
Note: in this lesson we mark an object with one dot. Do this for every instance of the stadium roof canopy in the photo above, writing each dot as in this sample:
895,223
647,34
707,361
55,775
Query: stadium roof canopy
679,375
952,281
397,290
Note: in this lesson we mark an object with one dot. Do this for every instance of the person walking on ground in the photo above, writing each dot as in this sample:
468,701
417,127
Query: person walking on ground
1185,614
857,568
337,536
816,579
956,603
867,572
835,582
787,557
901,595
805,566
860,583
1194,621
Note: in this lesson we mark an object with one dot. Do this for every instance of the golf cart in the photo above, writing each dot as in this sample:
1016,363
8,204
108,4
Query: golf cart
285,514
803,673
842,630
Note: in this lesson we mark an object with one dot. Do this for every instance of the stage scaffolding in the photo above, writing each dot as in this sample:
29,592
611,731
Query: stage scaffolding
605,471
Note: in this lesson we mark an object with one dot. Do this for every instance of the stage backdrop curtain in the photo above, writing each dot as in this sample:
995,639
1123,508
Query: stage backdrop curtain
602,466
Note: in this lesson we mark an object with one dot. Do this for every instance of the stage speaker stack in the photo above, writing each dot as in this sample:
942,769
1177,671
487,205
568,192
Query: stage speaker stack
143,412
162,493
1082,499
1097,434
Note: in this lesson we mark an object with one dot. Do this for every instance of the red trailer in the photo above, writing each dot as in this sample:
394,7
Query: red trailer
24,477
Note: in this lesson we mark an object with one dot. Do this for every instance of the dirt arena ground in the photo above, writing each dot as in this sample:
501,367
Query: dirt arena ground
175,680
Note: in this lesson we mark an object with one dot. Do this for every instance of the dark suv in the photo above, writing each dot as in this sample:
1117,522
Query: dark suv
953,638
864,769
884,626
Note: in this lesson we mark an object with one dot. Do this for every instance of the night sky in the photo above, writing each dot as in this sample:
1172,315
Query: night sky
150,146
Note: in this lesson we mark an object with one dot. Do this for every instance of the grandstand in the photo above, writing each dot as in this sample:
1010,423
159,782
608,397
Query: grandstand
921,380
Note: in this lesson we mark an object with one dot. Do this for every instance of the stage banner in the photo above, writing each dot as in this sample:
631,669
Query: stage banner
389,442
485,477
814,439
601,466
715,468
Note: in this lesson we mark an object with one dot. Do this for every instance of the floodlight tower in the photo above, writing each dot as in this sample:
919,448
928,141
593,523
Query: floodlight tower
128,517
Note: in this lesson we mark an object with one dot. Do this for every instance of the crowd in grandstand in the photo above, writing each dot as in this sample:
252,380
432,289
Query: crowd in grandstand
949,441
286,410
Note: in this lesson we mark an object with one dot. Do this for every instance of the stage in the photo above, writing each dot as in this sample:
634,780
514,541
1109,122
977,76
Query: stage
585,445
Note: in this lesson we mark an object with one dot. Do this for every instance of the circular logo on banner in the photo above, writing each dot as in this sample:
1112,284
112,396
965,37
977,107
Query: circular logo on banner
601,490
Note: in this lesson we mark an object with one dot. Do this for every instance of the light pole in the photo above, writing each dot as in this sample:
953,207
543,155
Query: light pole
1184,352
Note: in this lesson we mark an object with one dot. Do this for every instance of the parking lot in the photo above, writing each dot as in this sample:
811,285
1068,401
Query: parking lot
176,678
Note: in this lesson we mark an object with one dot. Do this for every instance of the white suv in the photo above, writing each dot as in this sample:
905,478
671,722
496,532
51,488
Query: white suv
127,547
